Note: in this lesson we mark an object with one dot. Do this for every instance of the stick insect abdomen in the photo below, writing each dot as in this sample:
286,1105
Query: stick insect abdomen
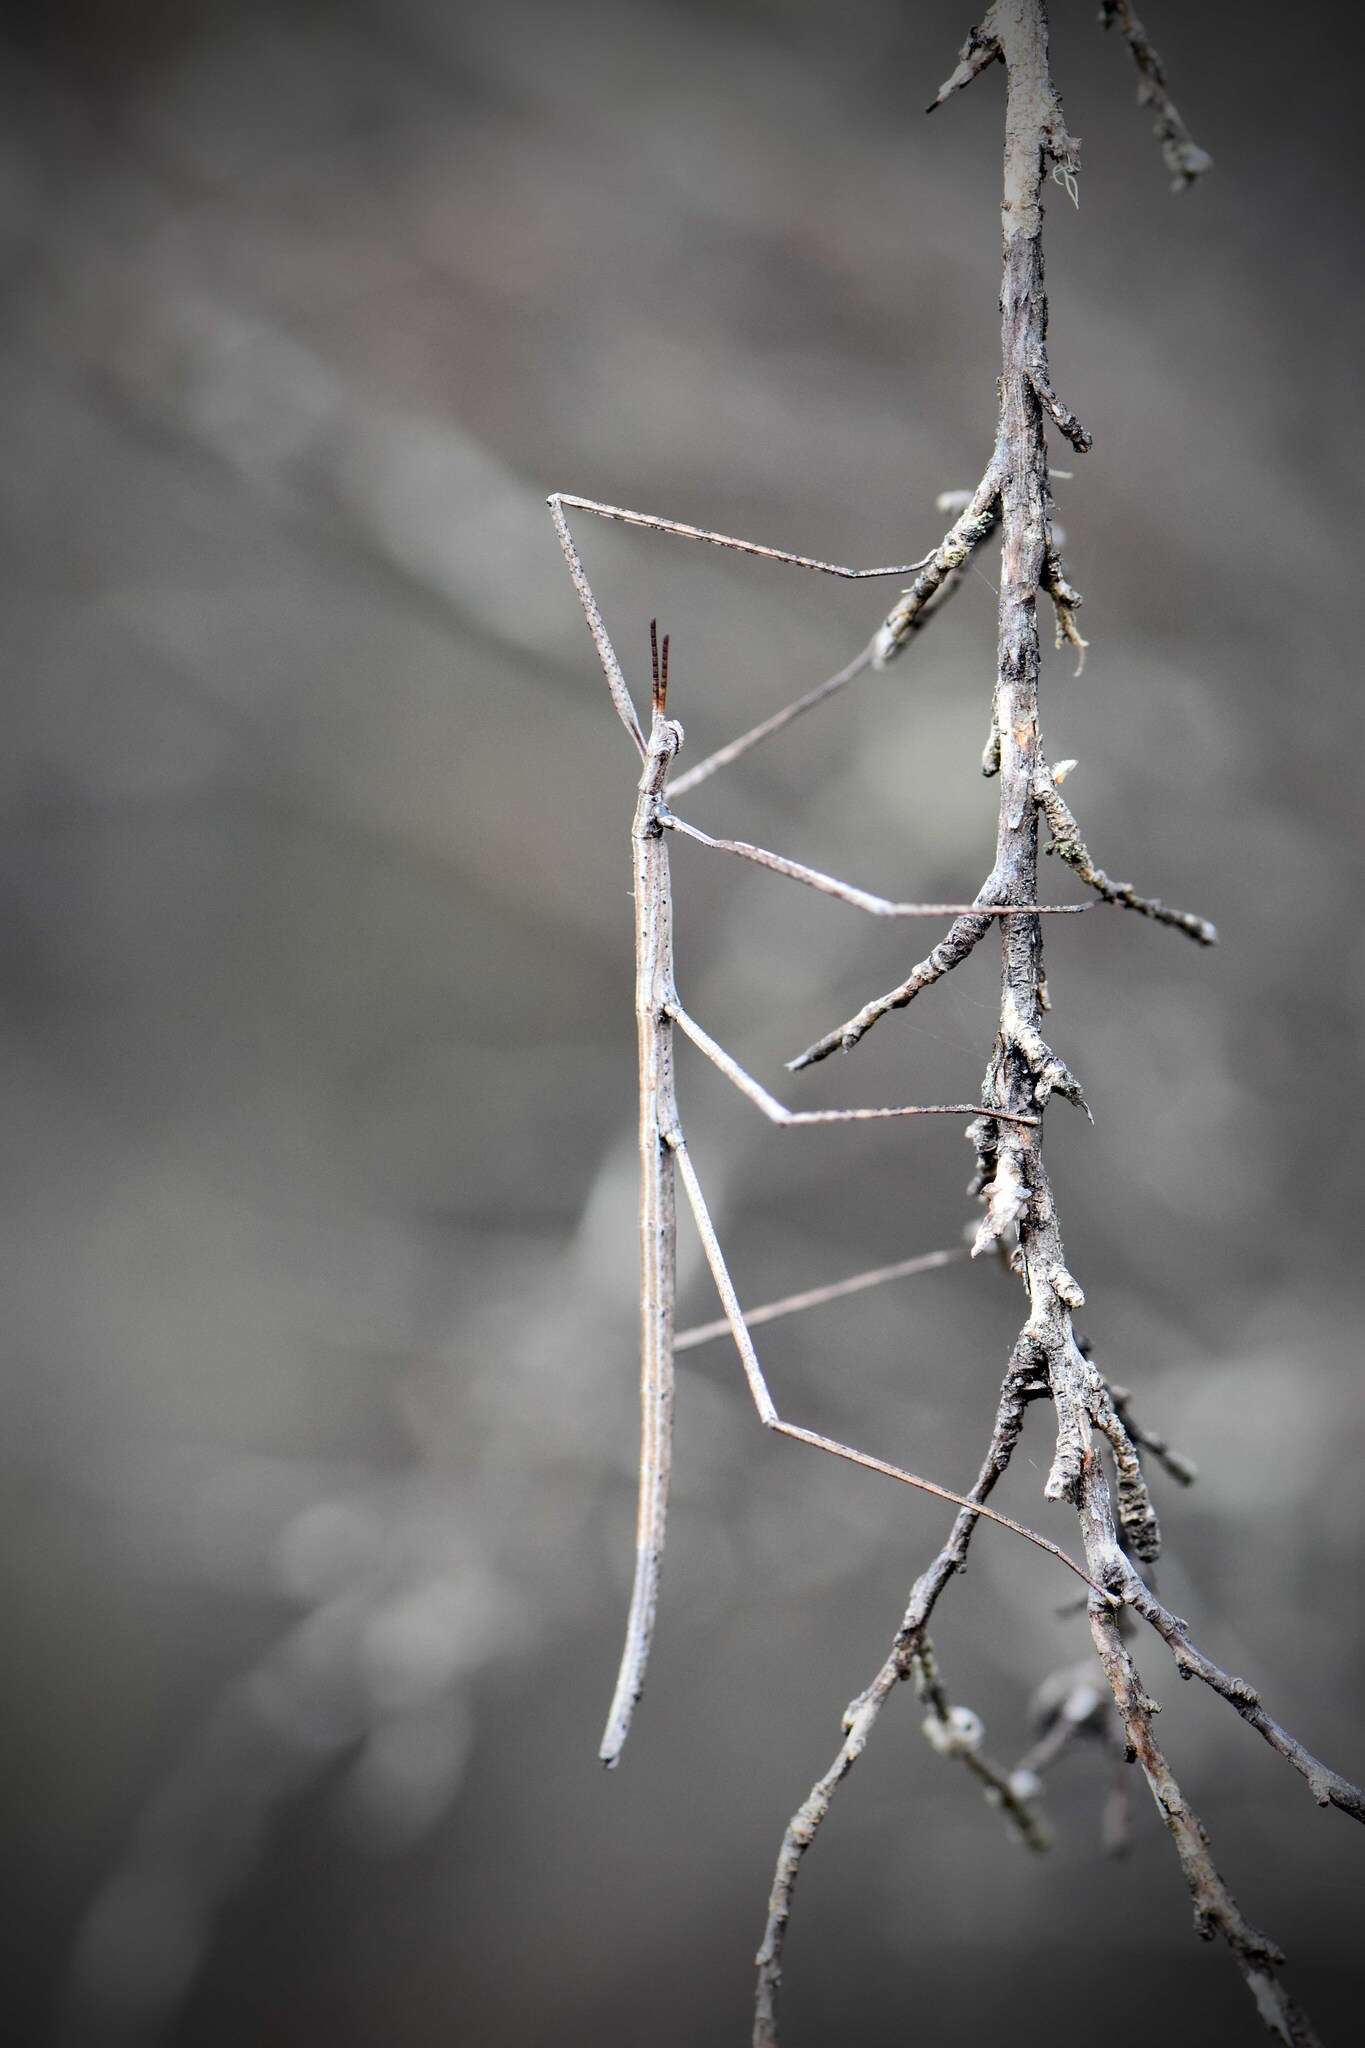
654,996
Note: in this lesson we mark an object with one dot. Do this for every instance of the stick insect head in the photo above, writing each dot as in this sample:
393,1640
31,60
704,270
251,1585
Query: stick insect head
666,735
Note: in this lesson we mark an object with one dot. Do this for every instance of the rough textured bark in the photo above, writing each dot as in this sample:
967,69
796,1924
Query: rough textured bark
1021,1216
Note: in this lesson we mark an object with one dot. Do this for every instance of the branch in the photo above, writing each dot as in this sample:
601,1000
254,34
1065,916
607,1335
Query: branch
1215,1910
1021,1385
1035,134
959,543
1066,422
1327,1786
957,1733
1068,843
952,949
1182,1469
979,50
1181,153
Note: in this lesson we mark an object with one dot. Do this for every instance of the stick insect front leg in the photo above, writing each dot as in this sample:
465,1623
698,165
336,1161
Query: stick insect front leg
936,576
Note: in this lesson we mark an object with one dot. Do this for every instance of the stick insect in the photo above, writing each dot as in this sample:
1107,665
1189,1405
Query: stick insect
663,1147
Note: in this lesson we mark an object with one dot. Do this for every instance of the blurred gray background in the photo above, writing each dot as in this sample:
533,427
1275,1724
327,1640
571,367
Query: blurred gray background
318,1044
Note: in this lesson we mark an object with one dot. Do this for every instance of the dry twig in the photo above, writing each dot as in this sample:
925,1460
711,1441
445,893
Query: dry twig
1020,1220
1182,156
1012,1178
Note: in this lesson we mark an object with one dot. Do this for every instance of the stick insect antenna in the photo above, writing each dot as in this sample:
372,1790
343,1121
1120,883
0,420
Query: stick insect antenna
658,667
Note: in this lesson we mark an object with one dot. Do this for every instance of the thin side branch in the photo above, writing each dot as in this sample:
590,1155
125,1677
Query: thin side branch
1182,1469
1064,420
860,1716
979,50
1069,845
957,1734
1327,1786
952,949
954,551
1216,1912
1183,157
1083,1398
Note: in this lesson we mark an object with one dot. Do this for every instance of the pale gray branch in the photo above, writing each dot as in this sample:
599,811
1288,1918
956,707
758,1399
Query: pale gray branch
1069,845
1180,153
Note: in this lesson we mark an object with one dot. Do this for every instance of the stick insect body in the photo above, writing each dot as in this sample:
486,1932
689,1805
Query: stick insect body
663,1146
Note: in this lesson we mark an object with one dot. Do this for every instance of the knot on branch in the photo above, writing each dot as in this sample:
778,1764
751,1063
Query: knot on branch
1007,1195
1051,1075
1065,601
959,1732
1064,420
1137,1516
1075,1388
